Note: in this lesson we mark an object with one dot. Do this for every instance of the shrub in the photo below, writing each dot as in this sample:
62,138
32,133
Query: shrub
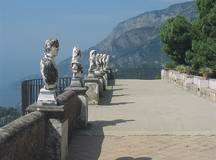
184,69
170,65
205,72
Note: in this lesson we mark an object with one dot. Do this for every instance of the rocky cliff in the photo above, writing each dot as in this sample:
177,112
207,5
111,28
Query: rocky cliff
135,43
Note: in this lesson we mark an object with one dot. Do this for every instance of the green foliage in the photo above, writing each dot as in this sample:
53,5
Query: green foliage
203,54
209,23
184,69
204,6
7,115
170,65
176,36
205,72
200,52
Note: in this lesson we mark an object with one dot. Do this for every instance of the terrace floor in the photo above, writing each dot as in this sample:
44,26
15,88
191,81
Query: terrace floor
147,120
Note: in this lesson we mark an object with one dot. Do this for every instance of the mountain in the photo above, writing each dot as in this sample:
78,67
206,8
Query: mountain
135,43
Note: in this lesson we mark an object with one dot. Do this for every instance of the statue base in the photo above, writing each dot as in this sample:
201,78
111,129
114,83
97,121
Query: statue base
91,75
76,82
47,97
93,90
98,73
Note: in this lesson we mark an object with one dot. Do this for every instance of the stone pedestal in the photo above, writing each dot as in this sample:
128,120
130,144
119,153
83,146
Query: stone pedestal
93,90
212,84
91,75
105,78
81,93
47,97
76,82
100,77
56,131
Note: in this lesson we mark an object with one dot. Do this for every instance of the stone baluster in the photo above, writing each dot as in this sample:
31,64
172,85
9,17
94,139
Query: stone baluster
92,82
78,87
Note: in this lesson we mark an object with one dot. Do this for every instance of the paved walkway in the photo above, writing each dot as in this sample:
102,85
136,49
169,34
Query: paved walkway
148,120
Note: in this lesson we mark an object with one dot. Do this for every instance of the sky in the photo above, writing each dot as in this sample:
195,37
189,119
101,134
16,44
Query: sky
26,24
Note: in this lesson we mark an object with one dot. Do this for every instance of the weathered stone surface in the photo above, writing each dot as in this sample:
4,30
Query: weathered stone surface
93,90
195,84
83,121
82,103
105,81
47,97
101,86
23,139
60,122
57,140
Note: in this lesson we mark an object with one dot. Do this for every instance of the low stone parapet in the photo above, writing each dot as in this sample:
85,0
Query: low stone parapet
24,138
195,84
44,133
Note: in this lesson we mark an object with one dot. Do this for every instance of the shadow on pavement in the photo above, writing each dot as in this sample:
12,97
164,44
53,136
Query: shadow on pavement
130,158
119,103
119,89
86,144
120,95
108,94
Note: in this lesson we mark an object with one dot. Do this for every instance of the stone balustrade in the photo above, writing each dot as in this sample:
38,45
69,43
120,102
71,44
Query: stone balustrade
198,85
45,132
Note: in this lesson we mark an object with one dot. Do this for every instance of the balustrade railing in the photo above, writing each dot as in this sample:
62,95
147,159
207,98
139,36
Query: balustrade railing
31,88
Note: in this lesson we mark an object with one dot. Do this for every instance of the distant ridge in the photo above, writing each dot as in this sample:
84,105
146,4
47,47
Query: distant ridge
135,43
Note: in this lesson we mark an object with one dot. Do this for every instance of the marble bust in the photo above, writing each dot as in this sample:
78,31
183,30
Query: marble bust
76,66
92,60
107,62
104,61
48,67
98,62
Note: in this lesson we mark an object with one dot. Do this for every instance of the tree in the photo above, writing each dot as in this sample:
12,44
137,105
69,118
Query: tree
176,35
204,6
202,54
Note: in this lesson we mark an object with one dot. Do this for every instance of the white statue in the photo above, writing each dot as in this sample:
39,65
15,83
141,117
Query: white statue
98,62
92,60
48,66
76,66
104,61
101,60
107,62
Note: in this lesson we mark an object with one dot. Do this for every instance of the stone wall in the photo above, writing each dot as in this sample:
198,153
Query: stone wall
44,133
197,85
24,138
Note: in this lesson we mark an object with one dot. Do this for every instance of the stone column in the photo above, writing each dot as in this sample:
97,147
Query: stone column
81,93
101,83
60,122
93,90
56,138
78,87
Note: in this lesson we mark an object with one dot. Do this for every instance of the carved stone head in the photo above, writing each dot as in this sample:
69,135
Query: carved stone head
76,54
51,47
92,53
104,58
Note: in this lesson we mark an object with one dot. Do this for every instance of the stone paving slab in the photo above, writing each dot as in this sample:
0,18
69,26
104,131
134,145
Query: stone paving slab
144,120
